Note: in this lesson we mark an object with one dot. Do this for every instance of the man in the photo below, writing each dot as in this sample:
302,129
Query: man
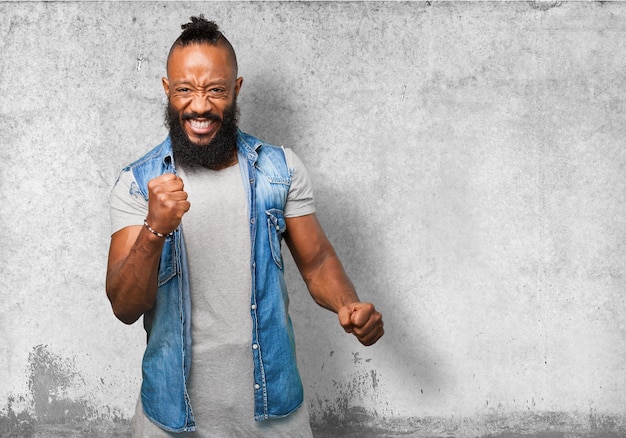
220,355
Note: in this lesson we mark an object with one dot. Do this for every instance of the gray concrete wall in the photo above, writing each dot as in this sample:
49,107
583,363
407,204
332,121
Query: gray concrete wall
469,164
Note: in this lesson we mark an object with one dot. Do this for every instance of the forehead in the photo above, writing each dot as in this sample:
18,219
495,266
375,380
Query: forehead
200,61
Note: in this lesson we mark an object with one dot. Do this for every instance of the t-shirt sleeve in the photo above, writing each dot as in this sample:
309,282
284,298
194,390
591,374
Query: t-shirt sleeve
300,201
127,206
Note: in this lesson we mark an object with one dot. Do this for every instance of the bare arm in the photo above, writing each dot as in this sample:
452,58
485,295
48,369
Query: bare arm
132,273
327,281
135,252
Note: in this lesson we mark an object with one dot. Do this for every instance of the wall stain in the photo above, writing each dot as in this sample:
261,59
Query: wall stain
139,62
544,5
14,424
343,415
51,377
55,405
374,379
511,425
345,407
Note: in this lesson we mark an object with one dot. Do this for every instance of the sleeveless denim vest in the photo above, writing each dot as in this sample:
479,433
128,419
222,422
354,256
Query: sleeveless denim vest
277,386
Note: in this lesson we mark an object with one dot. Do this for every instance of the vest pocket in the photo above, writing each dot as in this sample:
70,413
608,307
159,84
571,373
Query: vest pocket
167,266
276,227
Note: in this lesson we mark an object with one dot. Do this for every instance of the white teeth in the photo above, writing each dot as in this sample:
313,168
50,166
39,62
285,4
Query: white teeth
200,124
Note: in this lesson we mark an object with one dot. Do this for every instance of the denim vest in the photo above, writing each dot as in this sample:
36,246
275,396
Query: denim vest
277,385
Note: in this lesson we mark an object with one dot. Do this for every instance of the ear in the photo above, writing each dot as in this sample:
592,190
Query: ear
238,84
166,86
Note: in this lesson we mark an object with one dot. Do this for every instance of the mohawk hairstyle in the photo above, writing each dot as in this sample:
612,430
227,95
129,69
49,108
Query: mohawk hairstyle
202,31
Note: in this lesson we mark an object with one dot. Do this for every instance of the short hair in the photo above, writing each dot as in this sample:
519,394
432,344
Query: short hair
202,31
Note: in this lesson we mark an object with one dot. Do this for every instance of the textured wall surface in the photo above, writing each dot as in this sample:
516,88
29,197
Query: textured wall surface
469,165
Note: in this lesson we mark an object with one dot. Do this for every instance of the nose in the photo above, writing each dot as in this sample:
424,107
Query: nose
200,103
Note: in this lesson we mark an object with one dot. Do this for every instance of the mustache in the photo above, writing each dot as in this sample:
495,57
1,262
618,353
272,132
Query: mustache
207,115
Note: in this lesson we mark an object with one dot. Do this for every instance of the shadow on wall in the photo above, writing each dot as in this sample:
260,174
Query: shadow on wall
267,112
347,222
56,404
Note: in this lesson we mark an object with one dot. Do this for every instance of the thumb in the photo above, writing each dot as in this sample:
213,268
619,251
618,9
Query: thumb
345,317
360,315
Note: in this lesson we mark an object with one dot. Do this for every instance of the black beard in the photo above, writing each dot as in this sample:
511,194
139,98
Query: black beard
218,153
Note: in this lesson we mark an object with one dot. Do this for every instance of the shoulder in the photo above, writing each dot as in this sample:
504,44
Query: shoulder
268,157
293,160
250,143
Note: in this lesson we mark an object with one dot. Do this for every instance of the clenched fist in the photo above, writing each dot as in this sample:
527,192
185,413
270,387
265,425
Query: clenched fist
363,321
167,203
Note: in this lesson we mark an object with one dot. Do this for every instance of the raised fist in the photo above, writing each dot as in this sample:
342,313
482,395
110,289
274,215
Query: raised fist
167,203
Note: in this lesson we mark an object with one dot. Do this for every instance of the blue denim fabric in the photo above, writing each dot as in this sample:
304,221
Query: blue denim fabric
277,386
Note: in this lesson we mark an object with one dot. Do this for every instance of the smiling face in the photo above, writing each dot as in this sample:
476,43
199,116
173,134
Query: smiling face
201,85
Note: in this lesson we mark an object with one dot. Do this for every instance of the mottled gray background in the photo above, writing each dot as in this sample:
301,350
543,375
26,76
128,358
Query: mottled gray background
469,165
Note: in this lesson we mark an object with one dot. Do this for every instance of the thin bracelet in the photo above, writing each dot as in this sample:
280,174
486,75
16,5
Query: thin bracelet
156,233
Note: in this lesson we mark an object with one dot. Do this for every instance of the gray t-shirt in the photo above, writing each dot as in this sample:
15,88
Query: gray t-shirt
217,240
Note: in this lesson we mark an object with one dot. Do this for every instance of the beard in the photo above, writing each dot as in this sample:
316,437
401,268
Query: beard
218,153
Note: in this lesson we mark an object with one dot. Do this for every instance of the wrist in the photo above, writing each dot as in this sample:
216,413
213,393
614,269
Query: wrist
155,232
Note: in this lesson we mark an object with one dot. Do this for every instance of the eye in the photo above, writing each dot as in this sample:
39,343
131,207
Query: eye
182,90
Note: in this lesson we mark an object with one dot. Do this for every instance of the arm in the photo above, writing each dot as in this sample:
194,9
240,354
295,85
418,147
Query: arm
135,252
327,281
132,273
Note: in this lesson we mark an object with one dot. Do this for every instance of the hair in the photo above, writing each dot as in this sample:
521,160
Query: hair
202,31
